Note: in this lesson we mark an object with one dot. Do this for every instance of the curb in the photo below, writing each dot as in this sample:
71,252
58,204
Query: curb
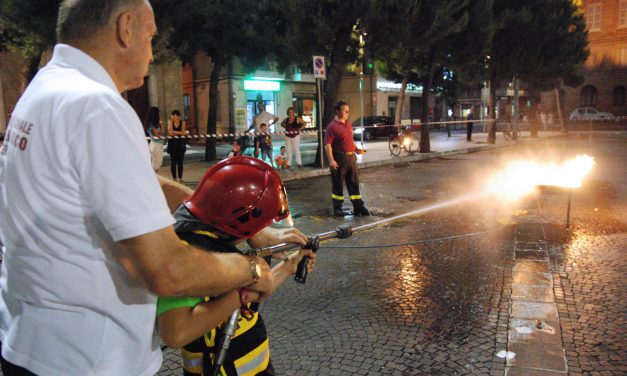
290,176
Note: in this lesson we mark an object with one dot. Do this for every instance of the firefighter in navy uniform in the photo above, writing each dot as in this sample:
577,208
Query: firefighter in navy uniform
235,199
340,150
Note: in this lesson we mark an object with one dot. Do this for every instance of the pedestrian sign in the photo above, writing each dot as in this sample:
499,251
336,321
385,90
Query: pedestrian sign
319,68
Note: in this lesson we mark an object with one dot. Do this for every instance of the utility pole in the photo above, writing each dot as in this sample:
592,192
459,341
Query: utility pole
361,84
516,114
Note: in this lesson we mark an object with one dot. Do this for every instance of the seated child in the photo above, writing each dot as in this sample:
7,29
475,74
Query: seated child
237,198
281,159
235,150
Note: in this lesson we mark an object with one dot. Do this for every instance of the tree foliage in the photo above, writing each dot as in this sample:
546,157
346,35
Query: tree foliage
427,41
28,26
223,32
540,41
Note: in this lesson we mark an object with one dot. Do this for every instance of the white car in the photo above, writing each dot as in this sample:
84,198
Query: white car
589,113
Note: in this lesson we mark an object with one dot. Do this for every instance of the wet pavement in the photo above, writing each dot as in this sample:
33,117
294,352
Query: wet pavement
433,295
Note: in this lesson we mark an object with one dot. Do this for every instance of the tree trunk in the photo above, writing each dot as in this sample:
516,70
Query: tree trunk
210,145
401,101
334,78
425,143
29,70
533,114
492,108
559,108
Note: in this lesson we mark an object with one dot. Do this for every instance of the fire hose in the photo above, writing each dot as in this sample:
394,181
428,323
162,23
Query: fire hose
313,243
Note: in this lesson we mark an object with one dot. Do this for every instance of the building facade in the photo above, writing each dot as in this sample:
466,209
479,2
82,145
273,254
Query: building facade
606,68
239,92
162,87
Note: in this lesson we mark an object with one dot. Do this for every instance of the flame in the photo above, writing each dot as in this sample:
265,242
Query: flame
522,177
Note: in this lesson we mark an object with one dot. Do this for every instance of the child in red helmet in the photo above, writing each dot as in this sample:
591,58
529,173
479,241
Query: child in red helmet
237,198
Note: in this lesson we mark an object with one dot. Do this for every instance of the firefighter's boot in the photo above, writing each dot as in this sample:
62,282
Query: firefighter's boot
337,208
359,209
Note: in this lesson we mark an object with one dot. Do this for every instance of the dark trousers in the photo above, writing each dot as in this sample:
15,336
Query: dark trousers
176,163
346,172
10,369
468,131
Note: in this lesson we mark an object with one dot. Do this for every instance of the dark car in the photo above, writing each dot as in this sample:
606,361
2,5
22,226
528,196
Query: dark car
374,126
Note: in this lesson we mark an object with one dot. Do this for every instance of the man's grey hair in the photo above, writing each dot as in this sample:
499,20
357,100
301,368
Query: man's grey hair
81,19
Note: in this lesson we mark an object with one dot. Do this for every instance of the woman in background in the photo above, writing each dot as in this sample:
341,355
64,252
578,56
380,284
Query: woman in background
177,131
154,130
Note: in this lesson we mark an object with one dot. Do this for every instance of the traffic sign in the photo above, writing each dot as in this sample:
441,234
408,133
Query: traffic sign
319,69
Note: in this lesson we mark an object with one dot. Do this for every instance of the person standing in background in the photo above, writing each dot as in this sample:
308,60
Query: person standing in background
469,124
263,117
177,144
340,150
293,125
154,128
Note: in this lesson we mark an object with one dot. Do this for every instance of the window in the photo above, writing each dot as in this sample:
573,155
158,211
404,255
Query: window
589,95
186,105
622,14
619,96
593,18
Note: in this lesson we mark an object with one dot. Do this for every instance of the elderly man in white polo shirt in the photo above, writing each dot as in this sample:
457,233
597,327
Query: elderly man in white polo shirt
87,235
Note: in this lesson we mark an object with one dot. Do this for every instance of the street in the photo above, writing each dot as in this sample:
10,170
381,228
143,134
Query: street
432,294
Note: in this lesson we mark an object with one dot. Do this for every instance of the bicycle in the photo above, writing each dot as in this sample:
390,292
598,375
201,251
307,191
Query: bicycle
404,139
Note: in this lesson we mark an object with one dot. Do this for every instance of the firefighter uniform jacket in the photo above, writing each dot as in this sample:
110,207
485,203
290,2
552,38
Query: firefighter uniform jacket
249,352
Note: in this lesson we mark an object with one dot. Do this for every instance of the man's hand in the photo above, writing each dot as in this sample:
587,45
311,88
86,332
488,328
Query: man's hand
333,164
272,236
360,151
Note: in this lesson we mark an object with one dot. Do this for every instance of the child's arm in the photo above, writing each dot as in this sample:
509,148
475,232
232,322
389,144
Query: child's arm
180,326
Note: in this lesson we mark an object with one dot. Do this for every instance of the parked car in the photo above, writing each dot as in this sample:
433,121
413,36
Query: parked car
589,113
374,126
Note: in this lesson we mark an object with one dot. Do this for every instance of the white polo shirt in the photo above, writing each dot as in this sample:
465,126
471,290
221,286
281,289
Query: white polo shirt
266,118
75,178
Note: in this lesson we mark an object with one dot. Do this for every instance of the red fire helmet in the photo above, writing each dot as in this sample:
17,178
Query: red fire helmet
239,196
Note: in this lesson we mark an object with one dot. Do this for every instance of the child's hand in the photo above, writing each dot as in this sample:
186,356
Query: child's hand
292,262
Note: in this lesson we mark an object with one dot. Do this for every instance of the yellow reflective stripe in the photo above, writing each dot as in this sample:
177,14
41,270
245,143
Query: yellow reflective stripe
336,197
255,361
209,234
210,338
355,197
192,361
244,325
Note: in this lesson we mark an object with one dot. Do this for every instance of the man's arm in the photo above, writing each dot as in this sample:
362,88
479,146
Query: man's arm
170,268
329,151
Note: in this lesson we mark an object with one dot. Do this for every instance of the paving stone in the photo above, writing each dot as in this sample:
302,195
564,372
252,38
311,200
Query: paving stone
532,293
518,371
532,279
532,267
535,311
536,348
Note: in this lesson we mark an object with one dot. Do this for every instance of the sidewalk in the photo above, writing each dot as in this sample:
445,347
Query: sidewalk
378,154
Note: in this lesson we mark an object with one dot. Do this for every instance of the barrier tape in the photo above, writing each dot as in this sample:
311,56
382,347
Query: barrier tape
315,132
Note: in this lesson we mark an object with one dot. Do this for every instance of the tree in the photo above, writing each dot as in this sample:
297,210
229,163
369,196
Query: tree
223,32
422,45
326,28
541,41
29,27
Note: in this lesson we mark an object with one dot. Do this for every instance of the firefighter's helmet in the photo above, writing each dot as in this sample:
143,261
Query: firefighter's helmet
239,196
